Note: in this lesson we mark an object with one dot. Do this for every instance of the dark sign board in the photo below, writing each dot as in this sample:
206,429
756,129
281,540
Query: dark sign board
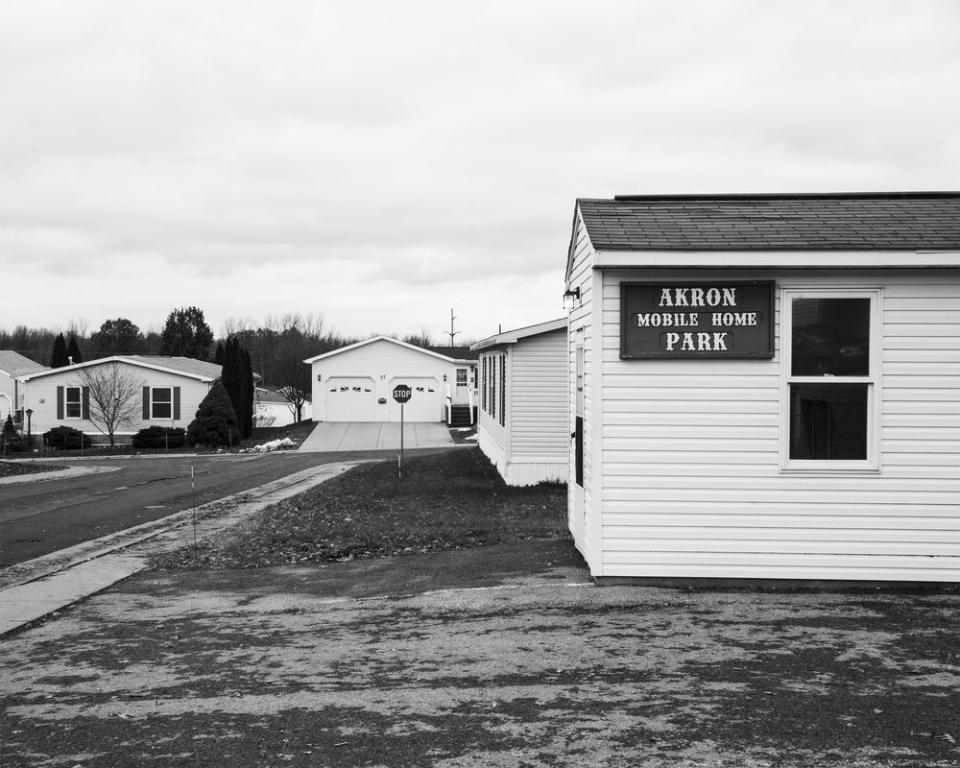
696,320
402,393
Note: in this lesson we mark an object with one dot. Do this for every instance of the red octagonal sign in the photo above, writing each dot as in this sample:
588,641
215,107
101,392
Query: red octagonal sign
402,393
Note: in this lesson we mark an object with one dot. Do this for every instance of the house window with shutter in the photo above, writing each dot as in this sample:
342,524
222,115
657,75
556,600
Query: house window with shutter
73,403
161,403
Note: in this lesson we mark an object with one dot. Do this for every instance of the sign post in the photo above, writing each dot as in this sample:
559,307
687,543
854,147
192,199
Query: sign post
401,393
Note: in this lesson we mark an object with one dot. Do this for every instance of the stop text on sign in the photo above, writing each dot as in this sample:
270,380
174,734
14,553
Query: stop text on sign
729,320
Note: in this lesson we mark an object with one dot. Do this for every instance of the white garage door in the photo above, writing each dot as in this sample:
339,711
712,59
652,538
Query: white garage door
426,401
350,398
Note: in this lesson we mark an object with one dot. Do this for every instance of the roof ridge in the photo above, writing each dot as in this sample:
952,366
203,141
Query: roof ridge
784,196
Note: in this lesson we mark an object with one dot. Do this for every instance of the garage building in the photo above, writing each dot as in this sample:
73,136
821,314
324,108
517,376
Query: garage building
766,386
355,383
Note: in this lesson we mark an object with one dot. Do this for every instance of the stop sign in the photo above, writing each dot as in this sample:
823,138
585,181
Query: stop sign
402,393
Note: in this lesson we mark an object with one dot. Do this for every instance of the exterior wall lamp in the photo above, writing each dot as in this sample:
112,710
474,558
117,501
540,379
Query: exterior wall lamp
569,296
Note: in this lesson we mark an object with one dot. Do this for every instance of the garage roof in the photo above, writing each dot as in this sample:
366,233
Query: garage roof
342,350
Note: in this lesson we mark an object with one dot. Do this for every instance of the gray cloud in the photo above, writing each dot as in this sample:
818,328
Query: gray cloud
305,152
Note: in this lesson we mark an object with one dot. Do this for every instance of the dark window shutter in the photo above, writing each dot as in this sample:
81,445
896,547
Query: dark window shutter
146,403
86,403
59,403
176,403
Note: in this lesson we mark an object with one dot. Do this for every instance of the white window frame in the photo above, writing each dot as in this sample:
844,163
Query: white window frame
462,377
153,404
870,465
67,402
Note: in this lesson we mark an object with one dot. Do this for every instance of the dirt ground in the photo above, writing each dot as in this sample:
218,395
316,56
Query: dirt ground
506,656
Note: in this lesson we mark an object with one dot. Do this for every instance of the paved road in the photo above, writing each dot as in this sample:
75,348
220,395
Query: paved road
41,517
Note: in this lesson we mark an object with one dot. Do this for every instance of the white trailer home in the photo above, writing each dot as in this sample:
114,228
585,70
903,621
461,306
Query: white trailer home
523,422
161,391
766,386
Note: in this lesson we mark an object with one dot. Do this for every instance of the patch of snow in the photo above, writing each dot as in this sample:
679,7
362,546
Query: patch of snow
273,445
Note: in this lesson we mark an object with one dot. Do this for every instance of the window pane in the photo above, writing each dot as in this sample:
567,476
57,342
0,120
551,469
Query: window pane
161,403
73,402
831,337
828,421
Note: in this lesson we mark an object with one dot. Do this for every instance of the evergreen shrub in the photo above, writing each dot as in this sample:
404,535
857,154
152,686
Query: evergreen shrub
215,424
66,438
160,437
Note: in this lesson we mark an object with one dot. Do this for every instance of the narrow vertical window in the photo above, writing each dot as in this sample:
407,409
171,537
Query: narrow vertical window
503,390
161,403
831,379
73,402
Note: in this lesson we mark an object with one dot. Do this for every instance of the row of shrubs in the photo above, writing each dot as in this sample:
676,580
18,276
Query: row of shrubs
70,439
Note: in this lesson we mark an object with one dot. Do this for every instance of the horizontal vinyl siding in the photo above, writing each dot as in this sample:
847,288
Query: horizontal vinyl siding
41,396
584,528
380,361
692,484
539,422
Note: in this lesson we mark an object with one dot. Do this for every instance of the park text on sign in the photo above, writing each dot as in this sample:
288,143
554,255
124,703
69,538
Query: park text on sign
701,320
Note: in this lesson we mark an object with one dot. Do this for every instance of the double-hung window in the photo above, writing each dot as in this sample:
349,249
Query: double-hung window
161,403
830,346
73,402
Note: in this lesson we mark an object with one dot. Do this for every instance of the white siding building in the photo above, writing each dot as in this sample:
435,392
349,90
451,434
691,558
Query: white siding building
766,387
168,391
12,366
355,383
522,425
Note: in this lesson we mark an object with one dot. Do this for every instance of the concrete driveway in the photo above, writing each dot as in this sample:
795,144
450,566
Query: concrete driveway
375,436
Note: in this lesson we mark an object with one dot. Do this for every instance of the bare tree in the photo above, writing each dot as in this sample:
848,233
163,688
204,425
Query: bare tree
114,397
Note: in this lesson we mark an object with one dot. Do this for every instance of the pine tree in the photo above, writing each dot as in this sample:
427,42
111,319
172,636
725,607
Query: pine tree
218,354
59,357
73,351
237,377
215,424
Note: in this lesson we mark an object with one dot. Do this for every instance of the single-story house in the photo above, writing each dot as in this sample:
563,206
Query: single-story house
356,382
271,409
766,386
158,391
12,366
523,426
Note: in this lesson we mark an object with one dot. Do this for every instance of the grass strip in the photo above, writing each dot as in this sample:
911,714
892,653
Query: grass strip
444,501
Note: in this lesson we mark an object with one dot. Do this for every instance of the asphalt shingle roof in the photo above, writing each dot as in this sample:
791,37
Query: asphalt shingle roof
457,353
15,364
184,364
862,221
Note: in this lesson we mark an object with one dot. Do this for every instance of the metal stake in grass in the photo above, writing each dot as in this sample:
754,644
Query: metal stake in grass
193,505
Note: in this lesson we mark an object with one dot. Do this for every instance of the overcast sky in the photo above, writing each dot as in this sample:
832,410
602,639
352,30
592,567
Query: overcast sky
379,163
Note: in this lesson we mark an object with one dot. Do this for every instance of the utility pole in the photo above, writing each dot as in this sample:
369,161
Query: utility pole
451,333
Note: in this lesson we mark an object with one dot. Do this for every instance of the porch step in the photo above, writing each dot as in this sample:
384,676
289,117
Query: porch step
462,416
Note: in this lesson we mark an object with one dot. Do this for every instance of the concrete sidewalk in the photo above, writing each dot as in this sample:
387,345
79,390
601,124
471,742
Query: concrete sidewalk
38,587
375,436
